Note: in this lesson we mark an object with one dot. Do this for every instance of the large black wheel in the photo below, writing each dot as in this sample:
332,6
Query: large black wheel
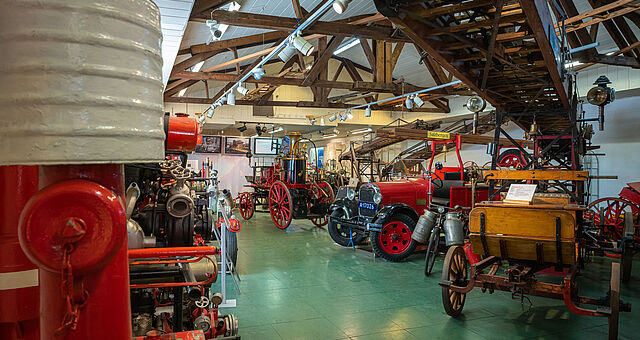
340,233
511,158
432,251
394,242
231,240
454,270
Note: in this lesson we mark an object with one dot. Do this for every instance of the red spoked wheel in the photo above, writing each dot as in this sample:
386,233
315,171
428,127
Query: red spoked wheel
280,205
613,209
511,158
322,192
246,205
393,242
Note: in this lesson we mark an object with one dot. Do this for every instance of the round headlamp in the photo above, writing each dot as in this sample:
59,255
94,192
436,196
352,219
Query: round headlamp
441,210
377,198
351,194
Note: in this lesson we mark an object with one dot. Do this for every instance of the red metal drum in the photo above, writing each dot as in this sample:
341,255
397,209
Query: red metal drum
18,275
182,134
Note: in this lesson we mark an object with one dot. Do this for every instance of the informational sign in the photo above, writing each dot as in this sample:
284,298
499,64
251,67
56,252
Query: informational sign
438,135
520,193
265,146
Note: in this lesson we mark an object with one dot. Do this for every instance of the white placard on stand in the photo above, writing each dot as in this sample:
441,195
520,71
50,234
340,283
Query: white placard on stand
520,193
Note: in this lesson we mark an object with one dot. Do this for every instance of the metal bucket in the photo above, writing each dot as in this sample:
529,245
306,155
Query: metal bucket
423,228
80,82
453,231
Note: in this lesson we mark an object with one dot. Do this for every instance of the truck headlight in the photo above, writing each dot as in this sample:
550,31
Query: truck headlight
351,194
377,198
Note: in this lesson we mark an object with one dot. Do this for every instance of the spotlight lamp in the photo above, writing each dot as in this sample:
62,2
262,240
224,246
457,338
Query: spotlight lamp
418,101
321,121
258,73
242,128
476,104
302,45
349,114
601,95
367,111
258,130
231,98
333,118
343,117
408,103
242,90
287,53
340,5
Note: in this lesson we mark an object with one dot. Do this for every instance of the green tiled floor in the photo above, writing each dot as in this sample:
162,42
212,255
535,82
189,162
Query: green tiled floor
298,284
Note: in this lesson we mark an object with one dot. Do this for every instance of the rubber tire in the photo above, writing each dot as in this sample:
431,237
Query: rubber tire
232,246
332,228
430,259
377,247
445,277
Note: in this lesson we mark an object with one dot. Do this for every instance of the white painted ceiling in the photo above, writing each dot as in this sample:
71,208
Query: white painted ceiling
174,15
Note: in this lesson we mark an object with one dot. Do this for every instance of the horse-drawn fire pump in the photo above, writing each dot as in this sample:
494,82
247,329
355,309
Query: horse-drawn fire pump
288,190
544,236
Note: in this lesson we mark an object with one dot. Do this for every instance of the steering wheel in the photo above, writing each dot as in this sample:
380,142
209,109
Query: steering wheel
435,179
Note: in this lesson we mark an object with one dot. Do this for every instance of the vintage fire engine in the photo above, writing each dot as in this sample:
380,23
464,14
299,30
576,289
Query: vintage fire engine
387,212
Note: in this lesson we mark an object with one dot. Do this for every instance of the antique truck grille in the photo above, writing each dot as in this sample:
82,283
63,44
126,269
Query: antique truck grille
366,195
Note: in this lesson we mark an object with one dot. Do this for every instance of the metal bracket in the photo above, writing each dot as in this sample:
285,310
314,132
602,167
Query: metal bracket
559,242
374,227
483,237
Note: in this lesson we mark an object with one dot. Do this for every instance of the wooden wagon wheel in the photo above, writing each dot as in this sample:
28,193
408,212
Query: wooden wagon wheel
280,205
613,215
324,193
454,270
246,205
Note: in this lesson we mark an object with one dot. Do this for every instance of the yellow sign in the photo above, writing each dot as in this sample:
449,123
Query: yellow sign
438,135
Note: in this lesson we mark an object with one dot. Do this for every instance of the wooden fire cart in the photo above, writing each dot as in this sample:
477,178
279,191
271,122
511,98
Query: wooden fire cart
287,190
544,235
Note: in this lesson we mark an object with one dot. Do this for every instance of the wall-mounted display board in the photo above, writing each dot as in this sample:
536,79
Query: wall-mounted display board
266,146
210,144
236,145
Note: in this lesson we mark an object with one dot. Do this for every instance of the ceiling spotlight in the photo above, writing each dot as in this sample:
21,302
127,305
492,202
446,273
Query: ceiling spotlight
258,130
333,118
258,73
418,101
336,131
242,90
343,117
231,98
302,45
340,5
321,121
216,33
349,114
367,111
242,128
476,104
408,103
287,52
211,111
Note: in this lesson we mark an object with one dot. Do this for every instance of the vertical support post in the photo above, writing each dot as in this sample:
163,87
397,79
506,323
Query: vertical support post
496,149
18,276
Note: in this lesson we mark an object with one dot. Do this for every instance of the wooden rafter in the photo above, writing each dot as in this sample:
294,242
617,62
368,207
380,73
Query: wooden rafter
271,22
322,60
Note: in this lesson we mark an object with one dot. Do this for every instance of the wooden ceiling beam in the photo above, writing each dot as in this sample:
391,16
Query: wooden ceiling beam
264,21
300,104
355,86
322,60
539,19
240,43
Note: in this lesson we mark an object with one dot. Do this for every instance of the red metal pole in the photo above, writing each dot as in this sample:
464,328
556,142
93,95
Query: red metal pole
18,275
172,252
82,204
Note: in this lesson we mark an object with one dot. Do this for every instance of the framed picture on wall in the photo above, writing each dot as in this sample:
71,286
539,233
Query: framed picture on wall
236,145
210,144
266,146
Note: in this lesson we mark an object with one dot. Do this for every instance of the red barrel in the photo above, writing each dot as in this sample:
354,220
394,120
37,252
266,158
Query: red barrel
18,275
182,134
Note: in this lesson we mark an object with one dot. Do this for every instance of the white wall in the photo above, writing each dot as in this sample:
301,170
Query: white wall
620,142
231,170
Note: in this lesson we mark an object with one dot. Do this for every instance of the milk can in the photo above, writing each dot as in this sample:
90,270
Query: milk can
453,232
424,226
